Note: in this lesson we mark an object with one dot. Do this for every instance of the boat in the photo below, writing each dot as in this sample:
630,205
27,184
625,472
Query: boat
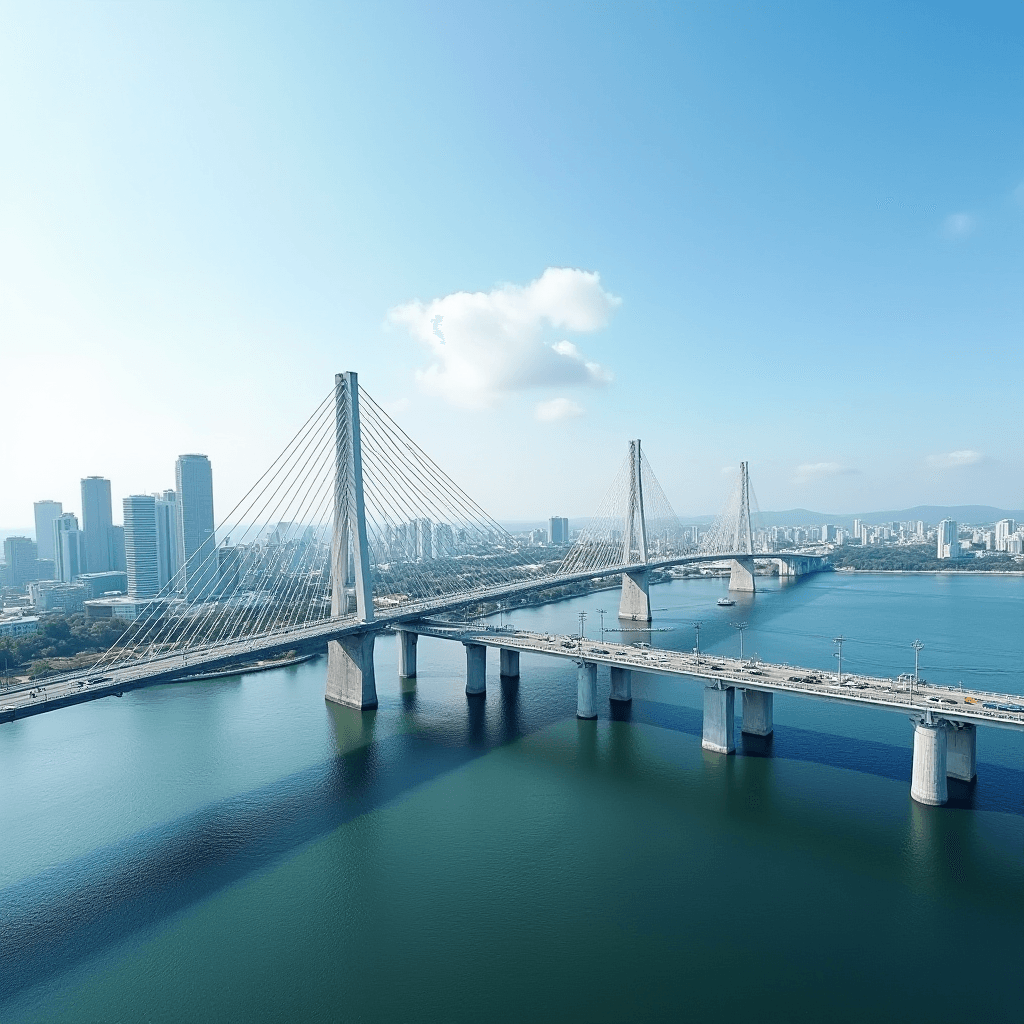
726,602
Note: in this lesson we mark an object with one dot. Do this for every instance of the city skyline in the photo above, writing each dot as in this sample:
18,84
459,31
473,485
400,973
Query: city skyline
739,256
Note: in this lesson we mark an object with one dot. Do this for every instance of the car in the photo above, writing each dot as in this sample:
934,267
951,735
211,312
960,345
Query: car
990,705
1003,707
1015,707
796,679
971,700
934,700
948,700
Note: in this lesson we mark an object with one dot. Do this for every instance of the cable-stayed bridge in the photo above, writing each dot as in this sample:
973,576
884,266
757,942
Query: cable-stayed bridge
354,529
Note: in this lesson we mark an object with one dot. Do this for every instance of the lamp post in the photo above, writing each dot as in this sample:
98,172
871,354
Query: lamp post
839,641
696,627
740,626
602,613
583,616
918,648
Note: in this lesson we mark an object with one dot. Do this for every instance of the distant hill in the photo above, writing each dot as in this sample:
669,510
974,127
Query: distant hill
975,514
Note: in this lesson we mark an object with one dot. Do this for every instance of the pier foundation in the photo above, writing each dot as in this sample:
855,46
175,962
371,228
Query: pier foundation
350,678
635,603
928,782
509,663
741,576
758,713
961,751
719,719
476,668
407,653
586,690
622,684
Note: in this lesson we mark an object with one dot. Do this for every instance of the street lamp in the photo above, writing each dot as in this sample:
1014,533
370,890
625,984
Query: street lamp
740,626
839,640
696,627
583,616
918,648
602,613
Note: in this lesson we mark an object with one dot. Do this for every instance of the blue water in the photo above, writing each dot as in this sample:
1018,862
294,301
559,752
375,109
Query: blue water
241,850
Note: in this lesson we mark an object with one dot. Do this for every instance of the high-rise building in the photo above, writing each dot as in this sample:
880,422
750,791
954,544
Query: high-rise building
140,545
1005,529
46,512
97,518
197,540
68,548
559,530
20,556
948,539
115,549
167,537
424,540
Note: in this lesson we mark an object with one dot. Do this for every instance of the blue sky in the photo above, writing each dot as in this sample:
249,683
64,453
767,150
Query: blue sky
796,230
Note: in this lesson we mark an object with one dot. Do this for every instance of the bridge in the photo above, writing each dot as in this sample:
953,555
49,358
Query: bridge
354,529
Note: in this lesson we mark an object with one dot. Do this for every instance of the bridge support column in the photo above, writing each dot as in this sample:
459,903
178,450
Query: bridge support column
741,578
509,663
928,782
961,750
636,599
622,684
476,668
719,719
758,713
407,653
350,678
586,690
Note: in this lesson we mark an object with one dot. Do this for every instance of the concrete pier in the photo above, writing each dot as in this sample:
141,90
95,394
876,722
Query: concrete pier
476,668
741,577
961,751
509,663
586,690
636,599
406,653
928,783
719,719
622,684
350,678
758,713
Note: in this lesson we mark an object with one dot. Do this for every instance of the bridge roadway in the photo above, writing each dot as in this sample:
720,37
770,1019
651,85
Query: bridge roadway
160,666
950,703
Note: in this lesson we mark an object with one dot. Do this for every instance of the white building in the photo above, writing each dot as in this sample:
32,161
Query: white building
197,542
140,544
1005,529
68,548
948,539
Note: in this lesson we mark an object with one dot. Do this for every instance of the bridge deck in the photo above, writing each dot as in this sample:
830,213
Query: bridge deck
950,703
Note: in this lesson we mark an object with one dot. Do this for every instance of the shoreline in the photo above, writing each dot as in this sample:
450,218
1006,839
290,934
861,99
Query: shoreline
931,572
244,670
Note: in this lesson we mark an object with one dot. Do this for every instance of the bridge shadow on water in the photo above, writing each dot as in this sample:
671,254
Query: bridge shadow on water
70,913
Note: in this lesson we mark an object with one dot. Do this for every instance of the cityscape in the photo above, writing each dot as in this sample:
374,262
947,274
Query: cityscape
511,512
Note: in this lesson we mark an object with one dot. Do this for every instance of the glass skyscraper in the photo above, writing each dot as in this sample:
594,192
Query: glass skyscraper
96,522
140,545
197,548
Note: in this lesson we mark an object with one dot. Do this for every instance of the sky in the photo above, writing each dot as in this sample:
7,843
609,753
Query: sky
784,233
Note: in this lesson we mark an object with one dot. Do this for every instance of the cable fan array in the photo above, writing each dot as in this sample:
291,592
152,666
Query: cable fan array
271,566
613,536
737,530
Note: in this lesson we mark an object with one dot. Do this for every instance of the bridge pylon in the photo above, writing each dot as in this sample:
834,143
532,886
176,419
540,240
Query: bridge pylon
350,677
635,603
741,574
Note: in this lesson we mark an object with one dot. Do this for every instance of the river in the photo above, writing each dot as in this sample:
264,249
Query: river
239,850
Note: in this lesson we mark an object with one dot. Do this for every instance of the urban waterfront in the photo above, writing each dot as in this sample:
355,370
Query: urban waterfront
239,849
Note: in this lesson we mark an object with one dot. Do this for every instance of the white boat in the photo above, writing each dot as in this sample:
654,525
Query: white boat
726,602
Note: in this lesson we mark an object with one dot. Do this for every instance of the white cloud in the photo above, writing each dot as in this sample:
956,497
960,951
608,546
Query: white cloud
954,460
819,470
557,409
486,344
958,225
